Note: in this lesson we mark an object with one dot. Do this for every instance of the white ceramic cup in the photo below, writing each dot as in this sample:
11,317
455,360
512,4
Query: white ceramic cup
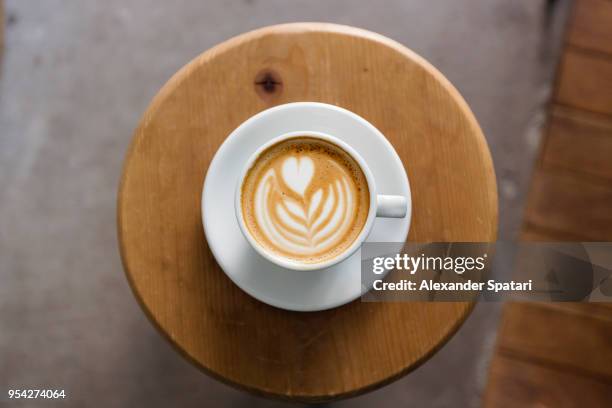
388,206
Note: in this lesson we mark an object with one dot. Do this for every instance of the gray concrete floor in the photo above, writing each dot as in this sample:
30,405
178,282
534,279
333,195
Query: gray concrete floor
75,78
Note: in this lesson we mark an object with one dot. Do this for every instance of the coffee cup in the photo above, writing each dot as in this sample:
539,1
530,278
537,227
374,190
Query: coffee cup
307,200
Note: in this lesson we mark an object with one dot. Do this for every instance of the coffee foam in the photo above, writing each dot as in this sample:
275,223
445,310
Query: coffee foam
305,199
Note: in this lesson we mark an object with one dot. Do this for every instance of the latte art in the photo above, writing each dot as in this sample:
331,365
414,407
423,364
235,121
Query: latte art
305,199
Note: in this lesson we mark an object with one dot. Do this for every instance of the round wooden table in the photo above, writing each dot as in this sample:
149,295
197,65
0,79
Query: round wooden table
300,356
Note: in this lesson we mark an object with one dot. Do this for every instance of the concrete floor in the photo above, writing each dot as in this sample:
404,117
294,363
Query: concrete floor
75,78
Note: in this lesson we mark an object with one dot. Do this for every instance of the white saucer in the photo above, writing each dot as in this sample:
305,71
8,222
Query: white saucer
271,284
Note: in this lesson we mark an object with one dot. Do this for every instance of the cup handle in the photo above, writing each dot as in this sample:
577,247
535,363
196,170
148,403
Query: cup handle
391,206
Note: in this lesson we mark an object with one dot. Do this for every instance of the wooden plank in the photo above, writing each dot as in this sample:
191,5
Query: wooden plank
591,25
570,341
579,143
559,354
536,233
599,310
585,81
566,202
515,383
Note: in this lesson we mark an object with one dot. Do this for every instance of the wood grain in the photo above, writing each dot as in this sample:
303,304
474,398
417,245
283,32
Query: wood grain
538,233
559,354
568,129
566,339
585,81
301,356
596,310
567,202
517,383
591,25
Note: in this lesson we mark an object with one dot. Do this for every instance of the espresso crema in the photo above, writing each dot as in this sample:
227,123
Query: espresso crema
305,199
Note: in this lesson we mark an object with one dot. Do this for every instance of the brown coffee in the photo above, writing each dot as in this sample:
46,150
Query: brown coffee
305,199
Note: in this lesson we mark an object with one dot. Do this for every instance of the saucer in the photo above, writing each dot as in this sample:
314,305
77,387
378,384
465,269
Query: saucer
265,281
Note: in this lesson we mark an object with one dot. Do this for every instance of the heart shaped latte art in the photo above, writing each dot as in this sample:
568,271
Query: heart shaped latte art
304,200
297,173
303,215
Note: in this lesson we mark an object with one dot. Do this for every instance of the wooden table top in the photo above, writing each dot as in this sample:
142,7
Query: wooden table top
300,356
